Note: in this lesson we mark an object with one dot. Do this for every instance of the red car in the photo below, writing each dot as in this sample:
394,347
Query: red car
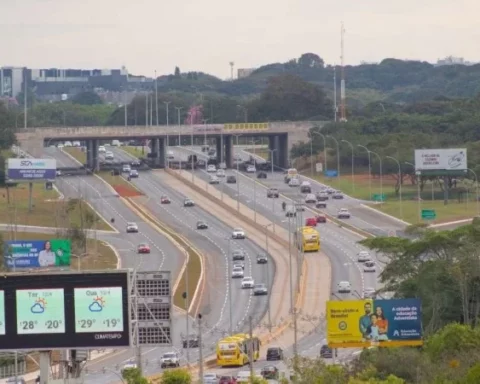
227,380
165,200
321,219
143,248
311,222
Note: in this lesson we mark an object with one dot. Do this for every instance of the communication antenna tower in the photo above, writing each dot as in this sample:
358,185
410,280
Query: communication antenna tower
343,112
231,69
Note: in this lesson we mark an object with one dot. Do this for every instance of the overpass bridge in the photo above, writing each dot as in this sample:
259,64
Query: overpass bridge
281,137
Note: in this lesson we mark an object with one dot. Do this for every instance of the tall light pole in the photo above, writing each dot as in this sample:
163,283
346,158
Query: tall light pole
178,122
399,183
311,155
353,163
124,109
324,147
146,110
381,174
245,112
254,142
205,131
476,189
338,156
156,99
230,286
419,199
369,170
271,157
168,125
268,276
238,179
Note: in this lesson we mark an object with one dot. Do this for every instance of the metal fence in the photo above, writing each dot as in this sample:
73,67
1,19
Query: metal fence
9,370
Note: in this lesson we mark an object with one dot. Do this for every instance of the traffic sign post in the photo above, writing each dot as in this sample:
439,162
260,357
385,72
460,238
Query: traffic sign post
429,214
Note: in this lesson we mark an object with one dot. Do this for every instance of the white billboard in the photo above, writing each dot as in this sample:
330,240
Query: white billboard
31,169
452,159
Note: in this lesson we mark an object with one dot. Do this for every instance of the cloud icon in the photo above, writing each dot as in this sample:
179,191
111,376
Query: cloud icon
95,307
37,308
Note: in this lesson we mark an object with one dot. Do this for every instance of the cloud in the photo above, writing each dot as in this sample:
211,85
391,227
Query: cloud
37,308
95,307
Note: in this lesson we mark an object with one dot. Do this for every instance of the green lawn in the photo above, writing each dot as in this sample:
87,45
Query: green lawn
135,151
77,153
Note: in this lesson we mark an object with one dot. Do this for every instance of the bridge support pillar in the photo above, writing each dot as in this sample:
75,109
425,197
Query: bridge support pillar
89,150
228,151
95,158
282,152
159,152
274,144
219,149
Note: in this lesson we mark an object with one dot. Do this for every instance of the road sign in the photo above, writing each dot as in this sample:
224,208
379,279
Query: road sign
378,197
31,170
331,173
428,214
319,167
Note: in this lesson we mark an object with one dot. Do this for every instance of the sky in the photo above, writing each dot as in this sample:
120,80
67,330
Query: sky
205,35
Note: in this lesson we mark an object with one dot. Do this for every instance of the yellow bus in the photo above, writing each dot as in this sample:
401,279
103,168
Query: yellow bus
234,350
307,239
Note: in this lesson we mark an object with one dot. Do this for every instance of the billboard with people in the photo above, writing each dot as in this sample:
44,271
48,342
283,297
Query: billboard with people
384,323
19,254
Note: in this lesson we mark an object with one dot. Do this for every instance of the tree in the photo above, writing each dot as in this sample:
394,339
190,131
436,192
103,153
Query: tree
87,98
176,376
177,73
134,376
310,60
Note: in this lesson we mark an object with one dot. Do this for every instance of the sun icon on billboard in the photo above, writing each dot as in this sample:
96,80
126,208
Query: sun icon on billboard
97,305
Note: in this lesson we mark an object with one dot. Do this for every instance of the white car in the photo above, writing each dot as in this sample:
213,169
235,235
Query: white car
305,184
109,156
210,378
101,149
238,233
211,168
243,377
343,213
214,180
344,287
60,145
221,173
363,256
294,182
68,144
369,266
251,169
76,144
132,228
58,173
369,293
129,366
237,272
247,282
126,169
170,359
310,198
260,290
170,155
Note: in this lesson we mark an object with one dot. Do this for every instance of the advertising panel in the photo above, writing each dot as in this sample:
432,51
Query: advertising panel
37,253
30,170
383,323
64,310
247,126
452,159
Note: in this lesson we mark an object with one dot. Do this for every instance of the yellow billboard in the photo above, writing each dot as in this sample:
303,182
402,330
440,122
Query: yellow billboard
246,126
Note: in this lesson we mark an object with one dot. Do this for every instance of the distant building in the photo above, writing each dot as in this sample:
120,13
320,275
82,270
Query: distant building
244,72
451,60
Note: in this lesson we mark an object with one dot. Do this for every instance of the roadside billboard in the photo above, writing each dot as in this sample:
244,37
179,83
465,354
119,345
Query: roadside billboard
31,170
452,159
383,323
37,253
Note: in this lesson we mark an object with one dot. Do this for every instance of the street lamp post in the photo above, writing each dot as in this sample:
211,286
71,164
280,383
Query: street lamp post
238,180
353,163
268,276
476,189
338,156
381,175
399,184
369,169
419,199
178,122
271,157
230,286
205,131
324,147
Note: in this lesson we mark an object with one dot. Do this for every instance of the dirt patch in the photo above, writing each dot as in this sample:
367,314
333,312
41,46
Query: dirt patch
125,191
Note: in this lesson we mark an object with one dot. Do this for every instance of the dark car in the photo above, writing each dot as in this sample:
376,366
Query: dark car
191,341
322,196
238,255
261,175
133,174
326,352
287,179
273,193
188,203
321,204
321,218
262,259
305,189
231,180
202,225
337,196
205,148
270,372
274,354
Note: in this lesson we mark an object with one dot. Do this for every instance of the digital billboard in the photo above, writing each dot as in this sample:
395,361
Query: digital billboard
383,323
31,170
452,159
64,310
19,254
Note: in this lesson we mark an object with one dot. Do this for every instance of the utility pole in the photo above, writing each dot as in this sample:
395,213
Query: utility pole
156,99
25,101
250,350
124,106
146,110
200,348
335,92
343,112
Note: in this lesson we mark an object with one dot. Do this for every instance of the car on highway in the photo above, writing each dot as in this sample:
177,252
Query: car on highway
337,195
322,196
294,182
60,145
330,191
190,341
68,144
129,365
109,155
300,207
270,372
369,293
227,380
211,152
344,287
321,218
310,198
210,378
170,359
133,174
135,163
248,282
251,169
321,205
143,248
363,256
221,173
170,155
305,187
261,175
231,180
165,200
126,168
262,258
237,272
343,213
274,353
211,168
58,173
273,193
326,352
260,290
214,180
291,212
188,203
238,233
202,224
369,266
238,254
101,149
205,148
243,377
239,264
132,227
311,222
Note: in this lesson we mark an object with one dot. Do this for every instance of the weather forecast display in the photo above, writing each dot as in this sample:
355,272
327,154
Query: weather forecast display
98,309
40,311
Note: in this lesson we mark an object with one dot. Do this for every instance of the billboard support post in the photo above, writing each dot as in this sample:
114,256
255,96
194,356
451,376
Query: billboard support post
44,366
30,197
